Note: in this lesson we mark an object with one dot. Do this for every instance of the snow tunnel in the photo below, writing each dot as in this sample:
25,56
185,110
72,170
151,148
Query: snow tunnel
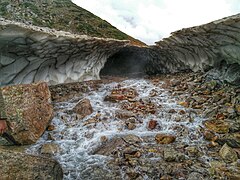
128,62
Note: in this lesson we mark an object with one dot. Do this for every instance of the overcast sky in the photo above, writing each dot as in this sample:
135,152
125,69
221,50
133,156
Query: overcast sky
151,20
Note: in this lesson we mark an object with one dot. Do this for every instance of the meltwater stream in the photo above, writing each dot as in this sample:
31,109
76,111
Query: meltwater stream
78,140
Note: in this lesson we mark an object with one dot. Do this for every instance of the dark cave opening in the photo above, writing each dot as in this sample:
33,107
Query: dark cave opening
128,62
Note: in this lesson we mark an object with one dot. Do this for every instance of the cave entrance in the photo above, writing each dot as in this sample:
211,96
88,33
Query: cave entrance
128,62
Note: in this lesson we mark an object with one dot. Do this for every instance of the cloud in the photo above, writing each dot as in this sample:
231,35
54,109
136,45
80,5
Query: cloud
151,20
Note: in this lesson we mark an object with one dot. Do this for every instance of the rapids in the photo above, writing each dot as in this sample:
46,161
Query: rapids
78,140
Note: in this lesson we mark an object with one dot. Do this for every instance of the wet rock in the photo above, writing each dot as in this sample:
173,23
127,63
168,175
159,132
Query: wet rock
140,107
131,126
195,176
124,114
16,165
172,111
184,104
114,98
218,126
192,150
91,121
166,177
50,127
228,154
50,149
28,110
130,152
171,154
132,139
103,139
153,93
152,124
83,108
50,137
175,82
131,123
165,138
209,135
181,112
181,130
232,140
119,94
111,147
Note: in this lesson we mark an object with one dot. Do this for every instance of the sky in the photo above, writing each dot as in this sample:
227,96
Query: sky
152,20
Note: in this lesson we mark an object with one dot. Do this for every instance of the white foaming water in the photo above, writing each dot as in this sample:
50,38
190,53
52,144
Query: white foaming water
77,140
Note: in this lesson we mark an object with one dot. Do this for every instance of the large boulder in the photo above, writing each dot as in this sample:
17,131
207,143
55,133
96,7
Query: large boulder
29,111
16,165
83,108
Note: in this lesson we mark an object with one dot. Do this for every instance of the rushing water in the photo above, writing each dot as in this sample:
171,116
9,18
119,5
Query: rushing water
77,141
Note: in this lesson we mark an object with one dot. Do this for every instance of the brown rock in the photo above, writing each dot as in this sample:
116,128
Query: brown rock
110,147
124,114
175,82
103,139
220,116
184,104
165,138
83,108
28,110
228,154
131,123
166,177
50,149
210,136
50,127
152,124
182,112
16,165
132,139
218,126
172,111
131,126
114,98
137,154
90,121
192,150
120,94
130,152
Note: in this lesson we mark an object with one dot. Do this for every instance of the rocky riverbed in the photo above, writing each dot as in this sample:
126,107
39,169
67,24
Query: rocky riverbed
165,127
